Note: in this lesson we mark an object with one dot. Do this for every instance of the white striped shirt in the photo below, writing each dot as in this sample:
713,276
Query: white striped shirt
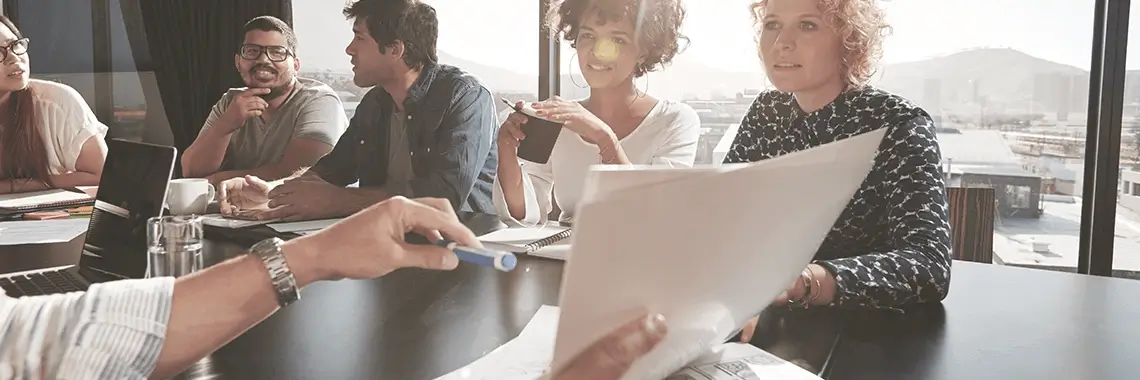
114,330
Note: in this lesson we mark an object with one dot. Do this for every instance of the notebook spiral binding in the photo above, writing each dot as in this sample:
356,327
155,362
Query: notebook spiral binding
51,205
534,246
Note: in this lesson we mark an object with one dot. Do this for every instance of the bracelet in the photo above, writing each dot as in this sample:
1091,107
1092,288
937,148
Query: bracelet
602,155
811,290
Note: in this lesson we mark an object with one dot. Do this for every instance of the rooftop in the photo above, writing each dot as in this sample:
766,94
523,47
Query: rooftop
1059,230
976,147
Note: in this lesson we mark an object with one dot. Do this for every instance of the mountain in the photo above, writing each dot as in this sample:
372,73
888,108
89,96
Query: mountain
998,80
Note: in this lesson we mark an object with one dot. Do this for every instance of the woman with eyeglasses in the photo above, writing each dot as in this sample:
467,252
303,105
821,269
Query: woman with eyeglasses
616,42
49,138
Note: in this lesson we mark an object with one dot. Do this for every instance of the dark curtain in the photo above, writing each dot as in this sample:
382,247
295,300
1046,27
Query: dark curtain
191,44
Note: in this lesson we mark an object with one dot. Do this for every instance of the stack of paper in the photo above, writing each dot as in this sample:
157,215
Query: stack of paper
708,248
528,356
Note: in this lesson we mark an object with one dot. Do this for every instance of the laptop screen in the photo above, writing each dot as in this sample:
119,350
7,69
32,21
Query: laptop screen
131,190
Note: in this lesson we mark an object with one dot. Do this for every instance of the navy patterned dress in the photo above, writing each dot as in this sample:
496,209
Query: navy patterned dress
891,245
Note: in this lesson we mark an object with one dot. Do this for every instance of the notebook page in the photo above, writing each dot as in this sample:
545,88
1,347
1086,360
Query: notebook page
515,239
36,198
728,243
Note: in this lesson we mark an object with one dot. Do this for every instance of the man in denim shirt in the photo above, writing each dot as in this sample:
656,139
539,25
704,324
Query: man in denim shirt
424,130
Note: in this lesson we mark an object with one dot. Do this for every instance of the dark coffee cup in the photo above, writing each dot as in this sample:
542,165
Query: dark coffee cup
541,134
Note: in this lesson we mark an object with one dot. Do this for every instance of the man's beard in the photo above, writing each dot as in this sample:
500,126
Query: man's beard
274,91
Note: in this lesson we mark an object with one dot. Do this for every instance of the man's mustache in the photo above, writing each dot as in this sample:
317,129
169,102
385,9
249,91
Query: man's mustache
263,66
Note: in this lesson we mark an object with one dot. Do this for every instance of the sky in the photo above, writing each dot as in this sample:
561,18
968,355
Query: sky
722,36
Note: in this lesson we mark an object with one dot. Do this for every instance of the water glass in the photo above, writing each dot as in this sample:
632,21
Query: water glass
174,245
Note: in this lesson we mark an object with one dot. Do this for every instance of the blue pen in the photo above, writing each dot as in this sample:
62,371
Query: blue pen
501,260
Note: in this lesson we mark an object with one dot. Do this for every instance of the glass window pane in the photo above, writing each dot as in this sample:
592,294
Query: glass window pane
1126,246
1010,96
503,54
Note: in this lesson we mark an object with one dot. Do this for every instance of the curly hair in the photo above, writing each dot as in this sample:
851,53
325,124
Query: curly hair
658,28
861,26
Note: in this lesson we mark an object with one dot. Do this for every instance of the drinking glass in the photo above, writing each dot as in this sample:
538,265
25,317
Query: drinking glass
174,245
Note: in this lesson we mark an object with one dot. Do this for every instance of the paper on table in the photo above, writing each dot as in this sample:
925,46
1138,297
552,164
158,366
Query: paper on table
525,357
724,246
528,356
741,361
41,231
217,220
308,225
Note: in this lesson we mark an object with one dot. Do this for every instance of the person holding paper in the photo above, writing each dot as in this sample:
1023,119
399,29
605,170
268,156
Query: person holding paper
157,327
617,124
50,138
891,245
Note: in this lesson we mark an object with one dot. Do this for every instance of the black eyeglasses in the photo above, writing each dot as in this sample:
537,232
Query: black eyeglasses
17,47
274,53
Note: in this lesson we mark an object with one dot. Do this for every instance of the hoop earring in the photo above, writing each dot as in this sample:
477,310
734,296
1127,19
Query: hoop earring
570,70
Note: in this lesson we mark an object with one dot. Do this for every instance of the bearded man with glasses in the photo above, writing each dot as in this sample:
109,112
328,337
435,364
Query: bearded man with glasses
276,125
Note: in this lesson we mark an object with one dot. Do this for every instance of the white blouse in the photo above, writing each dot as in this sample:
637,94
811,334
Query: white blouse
66,122
667,136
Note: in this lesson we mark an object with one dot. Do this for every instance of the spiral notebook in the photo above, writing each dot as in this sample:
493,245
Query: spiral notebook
42,200
525,239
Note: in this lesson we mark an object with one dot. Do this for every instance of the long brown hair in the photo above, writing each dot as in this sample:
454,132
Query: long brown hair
22,151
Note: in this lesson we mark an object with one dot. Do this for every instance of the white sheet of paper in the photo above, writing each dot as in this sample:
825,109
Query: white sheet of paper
41,231
304,226
528,357
741,361
525,357
707,251
217,220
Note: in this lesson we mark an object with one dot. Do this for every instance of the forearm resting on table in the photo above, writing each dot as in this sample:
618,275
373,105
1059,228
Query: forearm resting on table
212,307
68,180
511,181
206,154
359,199
268,173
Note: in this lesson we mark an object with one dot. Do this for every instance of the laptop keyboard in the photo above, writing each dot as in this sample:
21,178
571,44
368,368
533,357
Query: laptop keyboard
40,284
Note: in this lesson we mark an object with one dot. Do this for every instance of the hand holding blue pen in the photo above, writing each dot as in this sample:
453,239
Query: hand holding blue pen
501,260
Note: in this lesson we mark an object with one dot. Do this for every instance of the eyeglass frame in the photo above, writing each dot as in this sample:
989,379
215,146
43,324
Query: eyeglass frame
10,48
264,50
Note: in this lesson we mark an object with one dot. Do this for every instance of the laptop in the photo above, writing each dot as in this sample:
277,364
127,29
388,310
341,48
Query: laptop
131,190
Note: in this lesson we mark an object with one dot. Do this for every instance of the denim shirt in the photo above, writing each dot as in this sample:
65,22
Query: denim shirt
452,125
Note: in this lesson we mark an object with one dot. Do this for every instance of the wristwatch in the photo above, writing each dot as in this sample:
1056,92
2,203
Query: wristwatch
270,253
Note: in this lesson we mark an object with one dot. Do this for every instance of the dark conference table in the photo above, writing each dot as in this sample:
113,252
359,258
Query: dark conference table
998,323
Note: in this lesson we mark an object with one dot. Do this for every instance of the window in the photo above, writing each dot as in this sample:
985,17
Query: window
1009,97
1011,100
65,48
504,55
1126,245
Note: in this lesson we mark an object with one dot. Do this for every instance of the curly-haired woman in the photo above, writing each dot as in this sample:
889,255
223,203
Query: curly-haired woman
891,245
616,41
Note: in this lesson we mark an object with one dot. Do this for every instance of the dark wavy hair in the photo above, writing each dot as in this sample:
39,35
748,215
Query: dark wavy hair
659,27
22,151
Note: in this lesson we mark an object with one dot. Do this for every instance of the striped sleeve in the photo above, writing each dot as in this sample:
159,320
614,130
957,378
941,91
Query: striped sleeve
113,331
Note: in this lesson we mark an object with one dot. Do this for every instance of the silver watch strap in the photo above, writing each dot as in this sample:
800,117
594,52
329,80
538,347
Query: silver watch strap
270,253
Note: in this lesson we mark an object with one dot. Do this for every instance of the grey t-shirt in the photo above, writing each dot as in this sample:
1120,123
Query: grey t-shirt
399,158
313,111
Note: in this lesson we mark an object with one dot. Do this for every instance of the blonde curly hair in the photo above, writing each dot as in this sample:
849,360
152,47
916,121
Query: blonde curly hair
861,26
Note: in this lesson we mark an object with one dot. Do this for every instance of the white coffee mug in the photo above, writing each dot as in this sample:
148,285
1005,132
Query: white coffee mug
187,196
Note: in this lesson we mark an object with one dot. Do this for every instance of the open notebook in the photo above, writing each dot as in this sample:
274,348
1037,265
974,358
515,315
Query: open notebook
40,200
548,240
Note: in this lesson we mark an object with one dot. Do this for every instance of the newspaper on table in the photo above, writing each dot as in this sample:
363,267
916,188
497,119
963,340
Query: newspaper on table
528,357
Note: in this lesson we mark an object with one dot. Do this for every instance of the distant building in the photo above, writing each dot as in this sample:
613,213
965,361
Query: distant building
982,158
